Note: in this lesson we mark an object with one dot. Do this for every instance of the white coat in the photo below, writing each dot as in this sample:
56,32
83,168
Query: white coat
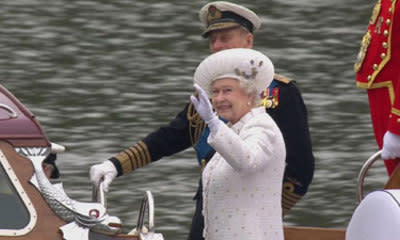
242,183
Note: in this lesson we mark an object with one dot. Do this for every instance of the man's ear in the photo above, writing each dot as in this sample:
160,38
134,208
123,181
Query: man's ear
250,40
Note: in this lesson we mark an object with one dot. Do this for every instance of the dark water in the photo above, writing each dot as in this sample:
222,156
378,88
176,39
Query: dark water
100,75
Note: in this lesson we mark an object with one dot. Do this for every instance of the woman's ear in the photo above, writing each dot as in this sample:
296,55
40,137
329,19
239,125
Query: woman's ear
252,100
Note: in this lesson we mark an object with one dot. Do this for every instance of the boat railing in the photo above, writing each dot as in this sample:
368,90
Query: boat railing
363,173
147,203
98,194
147,206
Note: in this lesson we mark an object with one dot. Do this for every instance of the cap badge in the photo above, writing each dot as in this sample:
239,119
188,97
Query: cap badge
213,14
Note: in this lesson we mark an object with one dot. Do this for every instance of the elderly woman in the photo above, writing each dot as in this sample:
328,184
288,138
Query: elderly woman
242,182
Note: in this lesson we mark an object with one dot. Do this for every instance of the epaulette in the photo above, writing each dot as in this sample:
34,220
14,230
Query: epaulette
282,78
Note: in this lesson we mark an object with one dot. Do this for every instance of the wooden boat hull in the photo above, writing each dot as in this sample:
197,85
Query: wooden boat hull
313,233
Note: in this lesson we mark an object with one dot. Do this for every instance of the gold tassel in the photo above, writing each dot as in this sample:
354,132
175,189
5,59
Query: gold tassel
196,123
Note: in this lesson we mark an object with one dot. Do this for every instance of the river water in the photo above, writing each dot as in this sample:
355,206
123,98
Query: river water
100,75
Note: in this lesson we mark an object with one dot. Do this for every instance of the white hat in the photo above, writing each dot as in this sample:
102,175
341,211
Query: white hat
224,15
238,63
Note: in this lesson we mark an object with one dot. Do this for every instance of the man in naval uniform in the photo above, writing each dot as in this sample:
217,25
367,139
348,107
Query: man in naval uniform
378,71
227,26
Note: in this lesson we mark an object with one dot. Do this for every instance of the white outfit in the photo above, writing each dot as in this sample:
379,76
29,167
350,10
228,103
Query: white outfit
242,183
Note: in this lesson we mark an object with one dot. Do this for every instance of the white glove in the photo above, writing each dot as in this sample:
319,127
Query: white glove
391,146
105,171
204,108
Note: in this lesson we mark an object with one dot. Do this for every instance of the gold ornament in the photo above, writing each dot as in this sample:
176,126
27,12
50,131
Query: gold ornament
363,51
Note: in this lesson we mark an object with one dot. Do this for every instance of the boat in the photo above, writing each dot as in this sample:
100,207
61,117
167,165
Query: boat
32,207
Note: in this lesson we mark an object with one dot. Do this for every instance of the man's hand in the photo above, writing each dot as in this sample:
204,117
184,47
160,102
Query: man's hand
105,171
391,146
